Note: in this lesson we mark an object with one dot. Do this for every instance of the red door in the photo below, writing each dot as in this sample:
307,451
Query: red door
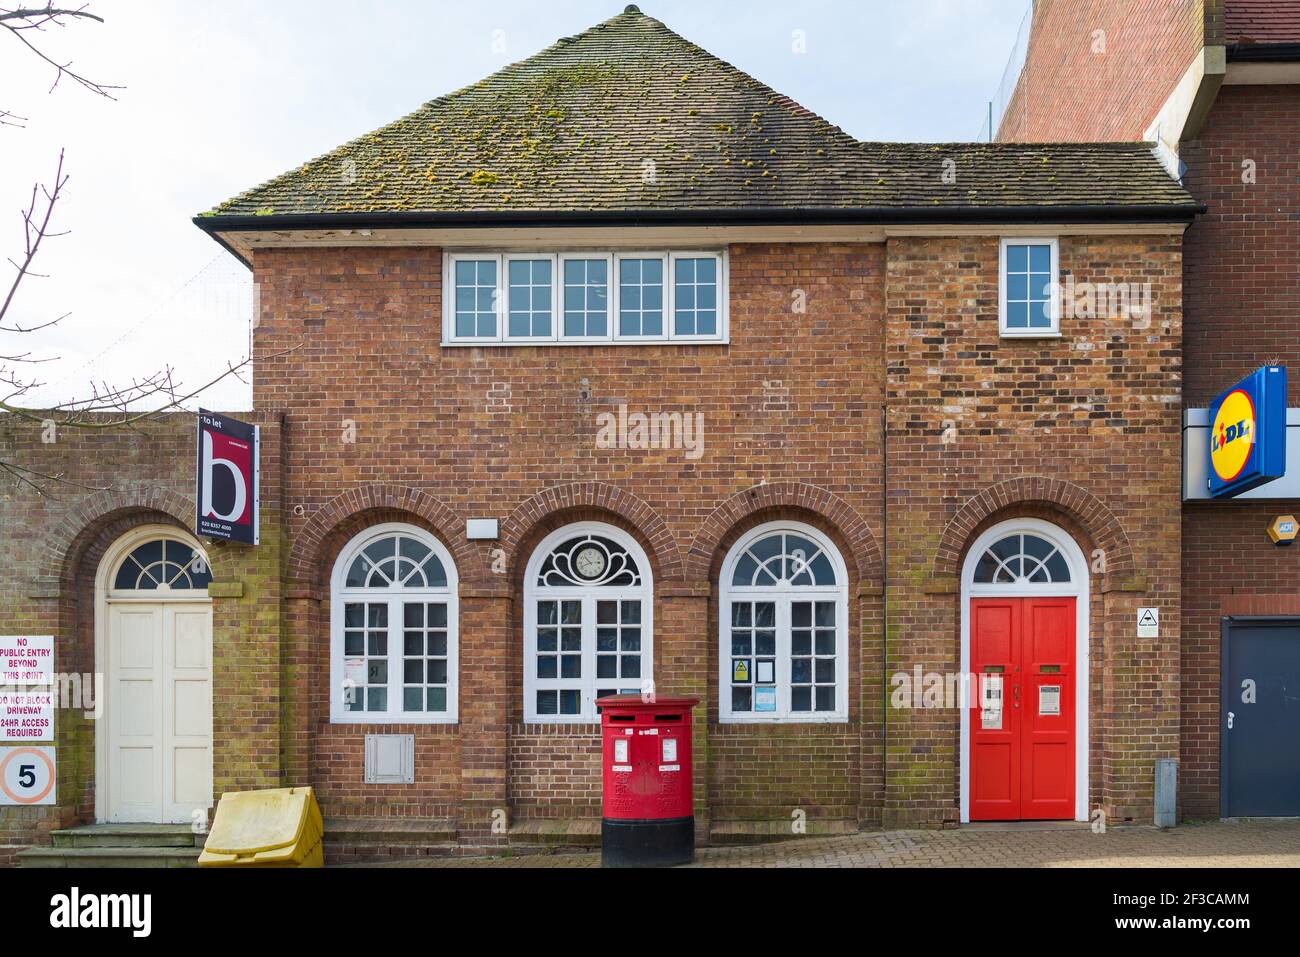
1022,728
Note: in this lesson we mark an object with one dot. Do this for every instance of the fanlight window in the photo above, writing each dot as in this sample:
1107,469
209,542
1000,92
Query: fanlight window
394,630
590,561
162,563
397,561
785,557
1021,559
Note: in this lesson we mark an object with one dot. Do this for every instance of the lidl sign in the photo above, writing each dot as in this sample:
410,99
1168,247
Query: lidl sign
1248,434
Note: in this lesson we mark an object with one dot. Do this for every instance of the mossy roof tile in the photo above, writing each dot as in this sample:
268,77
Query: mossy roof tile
631,116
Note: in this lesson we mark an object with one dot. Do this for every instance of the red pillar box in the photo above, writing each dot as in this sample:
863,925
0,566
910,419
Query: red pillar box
648,816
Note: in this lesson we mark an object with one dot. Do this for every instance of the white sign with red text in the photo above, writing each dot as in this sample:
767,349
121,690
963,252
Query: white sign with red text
26,688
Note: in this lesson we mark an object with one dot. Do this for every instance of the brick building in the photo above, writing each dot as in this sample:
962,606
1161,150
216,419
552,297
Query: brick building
620,368
1217,85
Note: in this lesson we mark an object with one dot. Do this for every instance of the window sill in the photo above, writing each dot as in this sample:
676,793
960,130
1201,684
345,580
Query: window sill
1032,334
578,343
387,722
741,722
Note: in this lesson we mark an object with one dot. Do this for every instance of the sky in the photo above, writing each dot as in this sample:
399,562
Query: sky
217,97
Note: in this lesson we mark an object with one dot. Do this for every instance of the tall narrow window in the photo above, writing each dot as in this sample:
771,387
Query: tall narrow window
475,298
529,302
695,296
588,622
586,297
641,297
1029,276
393,630
783,650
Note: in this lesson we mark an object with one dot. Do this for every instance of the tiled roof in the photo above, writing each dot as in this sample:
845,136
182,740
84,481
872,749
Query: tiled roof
1262,21
629,116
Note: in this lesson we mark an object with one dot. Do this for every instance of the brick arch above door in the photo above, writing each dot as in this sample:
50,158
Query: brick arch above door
1090,512
85,522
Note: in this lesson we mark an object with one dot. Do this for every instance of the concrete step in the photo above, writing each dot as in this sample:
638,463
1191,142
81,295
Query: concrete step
584,832
115,857
382,840
128,835
389,831
766,832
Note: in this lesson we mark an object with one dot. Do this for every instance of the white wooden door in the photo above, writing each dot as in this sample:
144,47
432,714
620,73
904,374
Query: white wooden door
159,712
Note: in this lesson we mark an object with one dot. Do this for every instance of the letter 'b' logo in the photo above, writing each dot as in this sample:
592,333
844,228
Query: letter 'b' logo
227,465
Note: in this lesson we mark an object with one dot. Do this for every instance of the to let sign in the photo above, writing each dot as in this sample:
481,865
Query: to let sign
26,688
226,492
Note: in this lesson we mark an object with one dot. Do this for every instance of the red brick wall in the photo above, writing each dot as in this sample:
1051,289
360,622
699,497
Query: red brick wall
1074,89
795,399
1243,255
1243,305
1086,425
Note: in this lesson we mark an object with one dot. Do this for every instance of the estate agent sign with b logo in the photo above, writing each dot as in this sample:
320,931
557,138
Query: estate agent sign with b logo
227,486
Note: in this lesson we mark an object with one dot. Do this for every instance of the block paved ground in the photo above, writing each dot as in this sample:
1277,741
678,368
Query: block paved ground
1257,843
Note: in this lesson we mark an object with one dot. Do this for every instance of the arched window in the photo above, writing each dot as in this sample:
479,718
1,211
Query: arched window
163,564
783,617
1022,559
393,629
588,622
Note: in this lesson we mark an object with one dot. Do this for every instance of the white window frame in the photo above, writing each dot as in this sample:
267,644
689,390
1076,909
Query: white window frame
558,259
341,595
722,284
449,299
663,258
533,593
1055,278
503,297
608,259
783,594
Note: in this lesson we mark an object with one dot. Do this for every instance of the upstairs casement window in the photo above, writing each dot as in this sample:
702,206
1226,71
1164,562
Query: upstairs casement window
1030,275
585,298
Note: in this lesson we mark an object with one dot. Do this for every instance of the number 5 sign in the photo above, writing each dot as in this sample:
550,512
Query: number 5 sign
26,776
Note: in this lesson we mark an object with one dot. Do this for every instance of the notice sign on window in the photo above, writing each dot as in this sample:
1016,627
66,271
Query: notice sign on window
26,688
227,480
991,702
1049,699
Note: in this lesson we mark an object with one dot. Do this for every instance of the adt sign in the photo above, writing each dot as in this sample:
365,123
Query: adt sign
1248,434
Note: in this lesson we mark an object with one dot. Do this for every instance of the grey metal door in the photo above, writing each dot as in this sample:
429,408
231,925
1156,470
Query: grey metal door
1259,729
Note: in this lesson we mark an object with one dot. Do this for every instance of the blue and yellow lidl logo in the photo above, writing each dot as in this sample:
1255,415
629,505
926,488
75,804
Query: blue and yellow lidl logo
1232,436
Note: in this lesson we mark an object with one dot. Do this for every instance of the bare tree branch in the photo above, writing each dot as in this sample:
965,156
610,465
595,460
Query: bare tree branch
21,20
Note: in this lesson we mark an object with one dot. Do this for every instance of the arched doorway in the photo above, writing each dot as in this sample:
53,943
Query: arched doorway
1024,638
153,646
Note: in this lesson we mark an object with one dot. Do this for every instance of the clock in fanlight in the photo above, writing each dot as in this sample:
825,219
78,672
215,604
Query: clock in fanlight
590,562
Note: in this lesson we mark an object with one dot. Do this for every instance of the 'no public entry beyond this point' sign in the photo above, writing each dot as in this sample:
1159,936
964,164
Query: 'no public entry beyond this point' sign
26,688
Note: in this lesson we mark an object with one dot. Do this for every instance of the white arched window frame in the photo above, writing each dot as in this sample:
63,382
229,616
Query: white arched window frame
973,585
394,629
776,627
588,629
157,564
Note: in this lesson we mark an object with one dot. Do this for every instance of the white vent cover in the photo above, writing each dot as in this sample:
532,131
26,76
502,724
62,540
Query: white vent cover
390,759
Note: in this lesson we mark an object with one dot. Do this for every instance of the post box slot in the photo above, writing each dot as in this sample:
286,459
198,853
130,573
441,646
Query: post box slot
668,717
627,718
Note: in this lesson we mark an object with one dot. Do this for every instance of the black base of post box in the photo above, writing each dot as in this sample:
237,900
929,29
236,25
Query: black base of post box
647,843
